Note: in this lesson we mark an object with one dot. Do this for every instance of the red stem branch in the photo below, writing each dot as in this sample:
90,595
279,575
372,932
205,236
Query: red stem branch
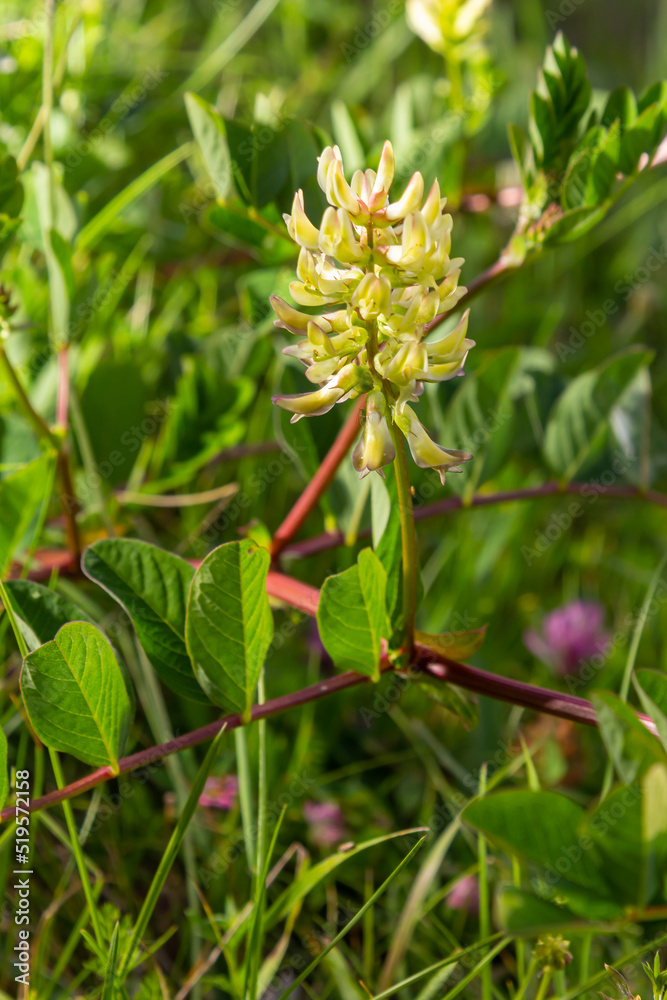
332,539
478,284
305,598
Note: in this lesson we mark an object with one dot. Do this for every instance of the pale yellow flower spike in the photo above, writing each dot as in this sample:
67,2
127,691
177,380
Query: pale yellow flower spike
385,267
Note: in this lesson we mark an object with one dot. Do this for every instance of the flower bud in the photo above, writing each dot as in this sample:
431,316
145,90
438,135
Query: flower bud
415,241
291,319
310,404
299,225
375,447
338,187
324,161
425,451
372,296
409,201
383,179
431,209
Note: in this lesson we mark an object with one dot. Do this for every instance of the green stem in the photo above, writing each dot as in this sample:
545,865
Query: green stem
484,907
544,985
41,427
409,543
76,850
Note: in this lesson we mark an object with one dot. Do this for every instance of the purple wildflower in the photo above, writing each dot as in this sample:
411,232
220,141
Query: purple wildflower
220,793
570,635
326,823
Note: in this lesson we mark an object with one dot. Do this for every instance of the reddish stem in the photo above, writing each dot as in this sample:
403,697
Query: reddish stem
439,667
320,481
492,273
305,598
62,394
332,539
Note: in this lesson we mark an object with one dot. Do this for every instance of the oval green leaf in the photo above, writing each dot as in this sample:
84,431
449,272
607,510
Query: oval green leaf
151,585
229,625
580,418
75,695
41,612
352,615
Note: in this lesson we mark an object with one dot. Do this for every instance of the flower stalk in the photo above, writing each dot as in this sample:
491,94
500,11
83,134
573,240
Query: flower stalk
408,546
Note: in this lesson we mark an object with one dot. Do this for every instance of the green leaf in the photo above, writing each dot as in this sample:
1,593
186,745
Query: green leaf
41,612
629,744
75,695
310,877
209,130
455,645
482,417
346,137
151,585
621,107
457,701
574,224
58,255
236,224
540,826
519,910
580,418
641,137
615,827
113,409
4,777
260,159
562,98
21,496
521,153
229,624
352,615
390,553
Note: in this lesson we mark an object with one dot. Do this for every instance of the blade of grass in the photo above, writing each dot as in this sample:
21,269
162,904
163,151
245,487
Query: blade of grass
228,48
261,861
256,936
169,855
484,906
413,910
369,930
245,796
599,977
98,225
355,920
632,657
68,949
109,991
76,850
448,961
